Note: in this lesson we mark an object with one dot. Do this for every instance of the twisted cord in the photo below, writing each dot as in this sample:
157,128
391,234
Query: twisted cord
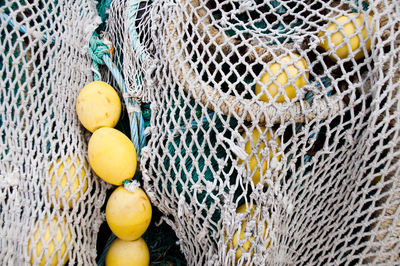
100,53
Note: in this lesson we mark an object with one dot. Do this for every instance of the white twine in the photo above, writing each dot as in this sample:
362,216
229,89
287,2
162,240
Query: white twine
246,5
314,42
133,108
132,186
97,72
239,151
9,180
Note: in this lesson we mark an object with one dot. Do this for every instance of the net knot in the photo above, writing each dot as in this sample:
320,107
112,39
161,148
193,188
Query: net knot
131,185
246,5
9,180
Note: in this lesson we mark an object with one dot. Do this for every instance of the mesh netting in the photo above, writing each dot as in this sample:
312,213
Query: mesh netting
49,200
273,134
287,107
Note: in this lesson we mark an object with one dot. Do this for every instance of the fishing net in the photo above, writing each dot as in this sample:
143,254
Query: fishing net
50,203
310,148
271,127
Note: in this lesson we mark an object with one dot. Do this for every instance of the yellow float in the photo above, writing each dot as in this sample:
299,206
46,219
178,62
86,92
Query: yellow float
98,105
255,161
128,214
48,236
352,38
293,66
128,253
67,185
112,155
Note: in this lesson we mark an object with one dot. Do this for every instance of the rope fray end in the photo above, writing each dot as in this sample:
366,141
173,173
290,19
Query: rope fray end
131,186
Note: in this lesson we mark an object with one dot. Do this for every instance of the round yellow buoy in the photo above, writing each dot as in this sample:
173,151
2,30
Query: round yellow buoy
48,236
112,155
331,36
128,253
256,169
239,236
77,184
98,105
128,214
292,68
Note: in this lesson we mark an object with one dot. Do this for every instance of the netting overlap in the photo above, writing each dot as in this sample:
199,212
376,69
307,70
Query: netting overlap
319,166
289,108
49,200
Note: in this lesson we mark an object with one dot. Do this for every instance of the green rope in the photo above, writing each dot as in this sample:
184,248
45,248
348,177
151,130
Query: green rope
97,49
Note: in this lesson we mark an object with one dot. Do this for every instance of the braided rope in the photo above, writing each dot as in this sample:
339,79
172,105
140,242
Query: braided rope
99,51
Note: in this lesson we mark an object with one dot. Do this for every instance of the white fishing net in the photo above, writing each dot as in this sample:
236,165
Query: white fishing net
322,174
320,183
49,200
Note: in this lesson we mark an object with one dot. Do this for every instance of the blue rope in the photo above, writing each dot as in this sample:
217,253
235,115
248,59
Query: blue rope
22,28
101,55
136,120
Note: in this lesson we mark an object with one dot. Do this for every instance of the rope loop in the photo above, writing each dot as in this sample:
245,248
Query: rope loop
97,49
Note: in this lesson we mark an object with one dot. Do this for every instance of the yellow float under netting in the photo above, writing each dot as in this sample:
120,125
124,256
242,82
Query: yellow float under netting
174,132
